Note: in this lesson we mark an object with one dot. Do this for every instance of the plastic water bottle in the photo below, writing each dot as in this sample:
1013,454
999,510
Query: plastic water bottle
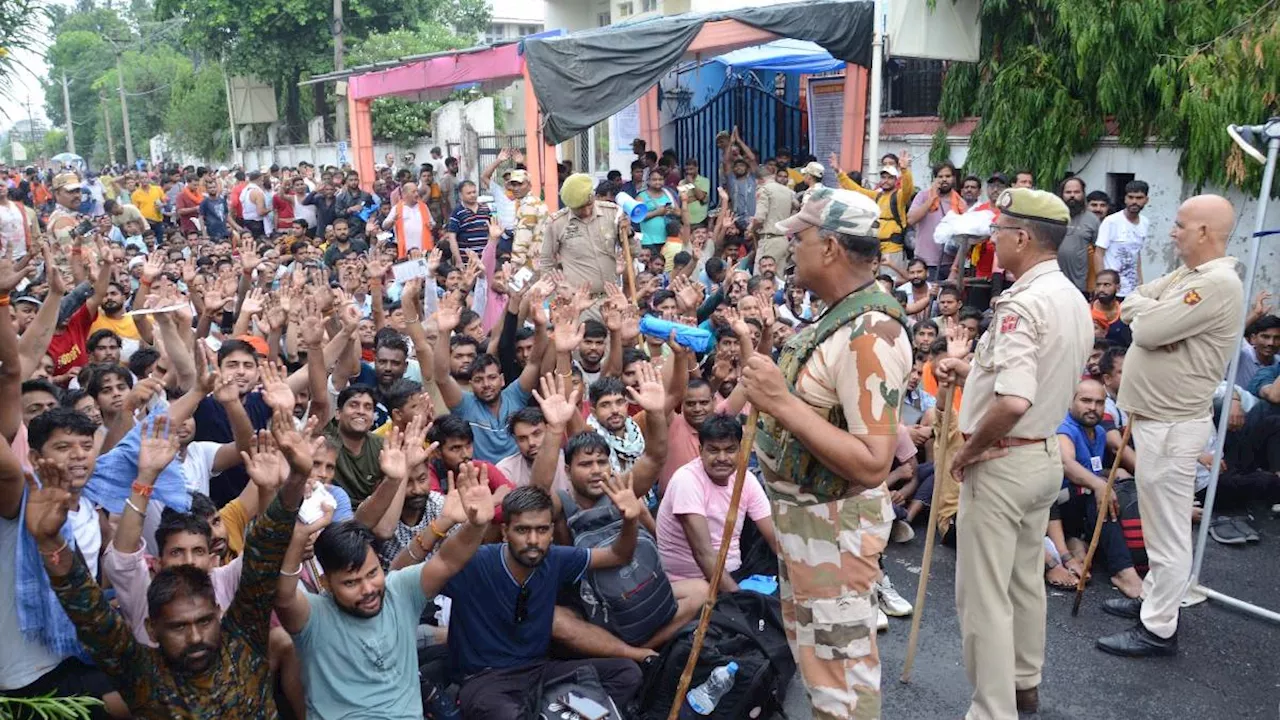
703,699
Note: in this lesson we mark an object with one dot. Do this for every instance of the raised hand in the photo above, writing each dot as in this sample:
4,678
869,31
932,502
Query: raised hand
558,406
582,299
158,446
392,459
249,259
477,498
958,340
649,393
275,388
12,272
630,325
448,313
295,448
569,331
141,394
433,261
311,328
47,502
254,302
495,229
620,491
767,311
53,276
612,312
736,322
409,300
264,463
416,453
538,307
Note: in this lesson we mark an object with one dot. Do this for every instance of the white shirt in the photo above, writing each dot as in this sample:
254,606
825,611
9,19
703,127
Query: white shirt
250,209
412,225
1122,242
12,232
304,212
504,208
197,466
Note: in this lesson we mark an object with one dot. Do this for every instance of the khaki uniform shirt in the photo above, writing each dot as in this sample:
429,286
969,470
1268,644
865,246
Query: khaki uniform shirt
586,250
773,205
1184,330
863,368
1035,348
526,245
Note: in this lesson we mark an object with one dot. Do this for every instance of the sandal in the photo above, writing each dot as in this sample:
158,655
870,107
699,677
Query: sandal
1060,577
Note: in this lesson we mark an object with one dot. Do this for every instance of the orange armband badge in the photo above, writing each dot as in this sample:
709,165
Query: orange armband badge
1191,298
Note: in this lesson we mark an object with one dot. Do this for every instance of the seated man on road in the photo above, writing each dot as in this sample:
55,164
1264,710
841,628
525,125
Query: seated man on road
696,505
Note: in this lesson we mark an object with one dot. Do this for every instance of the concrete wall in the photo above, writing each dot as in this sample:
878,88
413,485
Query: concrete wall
1159,168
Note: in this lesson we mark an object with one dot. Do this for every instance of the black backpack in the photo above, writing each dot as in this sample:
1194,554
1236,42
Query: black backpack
745,628
548,697
634,601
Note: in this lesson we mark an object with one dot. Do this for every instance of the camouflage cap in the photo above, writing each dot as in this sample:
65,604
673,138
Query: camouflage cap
841,211
1031,204
66,181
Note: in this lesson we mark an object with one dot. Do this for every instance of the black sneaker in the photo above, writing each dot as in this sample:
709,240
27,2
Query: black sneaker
1245,529
1224,530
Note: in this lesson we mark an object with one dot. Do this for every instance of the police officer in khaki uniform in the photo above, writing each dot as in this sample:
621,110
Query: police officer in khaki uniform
582,238
1018,386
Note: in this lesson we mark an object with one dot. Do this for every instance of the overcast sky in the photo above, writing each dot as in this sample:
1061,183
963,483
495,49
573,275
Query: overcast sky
26,86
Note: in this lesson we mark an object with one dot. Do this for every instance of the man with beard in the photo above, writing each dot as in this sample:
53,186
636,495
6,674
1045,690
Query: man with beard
528,427
132,331
971,190
610,419
344,243
371,612
1075,255
927,211
492,401
504,605
591,351
202,666
412,222
390,361
1121,238
695,507
1185,327
1099,204
1106,307
456,447
893,196
920,292
351,202
1083,444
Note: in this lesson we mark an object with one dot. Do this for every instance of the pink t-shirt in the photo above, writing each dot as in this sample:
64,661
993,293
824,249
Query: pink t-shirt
906,449
131,577
691,492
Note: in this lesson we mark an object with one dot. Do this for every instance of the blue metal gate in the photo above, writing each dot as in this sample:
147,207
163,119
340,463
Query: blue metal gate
765,122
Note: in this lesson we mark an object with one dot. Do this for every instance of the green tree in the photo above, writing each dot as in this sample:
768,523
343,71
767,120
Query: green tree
1054,73
396,119
282,40
54,142
81,51
197,117
149,81
21,24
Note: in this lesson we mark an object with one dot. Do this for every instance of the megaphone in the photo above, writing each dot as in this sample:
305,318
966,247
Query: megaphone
634,209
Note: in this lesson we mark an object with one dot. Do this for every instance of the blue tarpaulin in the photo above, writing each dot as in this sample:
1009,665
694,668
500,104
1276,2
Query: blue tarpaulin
784,55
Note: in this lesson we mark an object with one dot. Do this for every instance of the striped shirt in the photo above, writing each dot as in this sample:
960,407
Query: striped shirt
471,228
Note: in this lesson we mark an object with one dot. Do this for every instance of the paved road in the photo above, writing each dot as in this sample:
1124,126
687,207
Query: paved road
1228,667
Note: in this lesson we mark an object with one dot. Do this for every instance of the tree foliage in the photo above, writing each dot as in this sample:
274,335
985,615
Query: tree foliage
21,25
197,115
150,79
1055,73
396,119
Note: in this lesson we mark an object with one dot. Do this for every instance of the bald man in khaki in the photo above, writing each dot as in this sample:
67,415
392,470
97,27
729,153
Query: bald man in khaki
1185,326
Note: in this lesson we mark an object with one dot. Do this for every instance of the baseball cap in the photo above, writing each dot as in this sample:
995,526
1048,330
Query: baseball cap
815,169
518,176
66,181
1031,204
256,342
841,211
32,299
1000,178
891,170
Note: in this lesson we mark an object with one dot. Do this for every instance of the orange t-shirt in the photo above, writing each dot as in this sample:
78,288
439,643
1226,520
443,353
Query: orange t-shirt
930,384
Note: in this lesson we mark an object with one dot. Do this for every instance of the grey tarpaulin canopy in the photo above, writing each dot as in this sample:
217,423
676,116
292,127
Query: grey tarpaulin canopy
583,78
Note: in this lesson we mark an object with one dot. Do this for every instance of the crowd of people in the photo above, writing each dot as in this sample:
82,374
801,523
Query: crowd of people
271,438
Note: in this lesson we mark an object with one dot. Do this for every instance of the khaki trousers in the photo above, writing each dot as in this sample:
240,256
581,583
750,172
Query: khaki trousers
776,247
1004,512
1166,476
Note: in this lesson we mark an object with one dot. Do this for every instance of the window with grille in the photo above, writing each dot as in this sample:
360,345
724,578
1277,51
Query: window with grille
626,9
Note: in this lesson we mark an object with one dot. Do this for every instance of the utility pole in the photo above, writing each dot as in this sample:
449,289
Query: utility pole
31,128
66,110
231,116
124,113
106,123
340,114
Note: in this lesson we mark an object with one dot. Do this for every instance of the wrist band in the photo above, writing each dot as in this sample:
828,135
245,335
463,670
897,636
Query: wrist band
295,573
4,300
53,556
436,532
143,490
409,549
133,507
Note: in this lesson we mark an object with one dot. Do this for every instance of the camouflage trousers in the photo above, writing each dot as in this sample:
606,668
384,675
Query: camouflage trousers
828,566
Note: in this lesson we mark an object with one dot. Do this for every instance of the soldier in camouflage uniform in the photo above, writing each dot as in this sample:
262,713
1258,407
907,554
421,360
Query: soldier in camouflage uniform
829,417
531,214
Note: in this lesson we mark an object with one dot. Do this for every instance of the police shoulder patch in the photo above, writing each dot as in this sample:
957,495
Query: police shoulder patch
1009,323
